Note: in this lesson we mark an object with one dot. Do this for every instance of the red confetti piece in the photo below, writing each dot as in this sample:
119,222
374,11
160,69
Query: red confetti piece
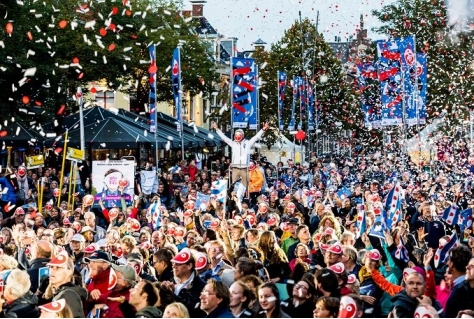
152,69
62,24
103,32
3,133
93,90
61,109
111,47
80,75
114,10
9,28
25,99
38,103
75,60
29,35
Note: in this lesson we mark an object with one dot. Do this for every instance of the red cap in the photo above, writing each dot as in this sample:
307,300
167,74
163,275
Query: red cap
329,231
179,231
338,268
324,247
190,204
20,211
90,249
188,213
287,197
291,205
214,224
182,257
374,254
66,221
60,260
145,245
252,219
201,260
55,306
88,200
335,248
239,219
135,224
351,279
113,213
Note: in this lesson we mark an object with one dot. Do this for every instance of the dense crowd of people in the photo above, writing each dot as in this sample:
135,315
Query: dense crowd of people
315,239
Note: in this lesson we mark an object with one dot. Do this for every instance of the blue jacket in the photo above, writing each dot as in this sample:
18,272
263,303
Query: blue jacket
9,196
220,312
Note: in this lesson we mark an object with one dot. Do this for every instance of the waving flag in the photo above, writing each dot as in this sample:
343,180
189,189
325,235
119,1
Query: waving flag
465,219
402,253
379,227
296,96
219,189
176,85
393,205
366,76
239,190
442,252
282,76
303,101
202,199
155,212
361,222
152,94
451,215
311,106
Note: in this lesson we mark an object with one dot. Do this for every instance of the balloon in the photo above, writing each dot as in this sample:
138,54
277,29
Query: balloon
62,24
9,28
25,99
300,135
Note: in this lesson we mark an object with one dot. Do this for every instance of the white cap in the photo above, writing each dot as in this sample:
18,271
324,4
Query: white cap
78,237
101,243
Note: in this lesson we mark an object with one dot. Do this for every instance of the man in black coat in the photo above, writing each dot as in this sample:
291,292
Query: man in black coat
41,253
406,301
162,264
462,296
187,285
19,301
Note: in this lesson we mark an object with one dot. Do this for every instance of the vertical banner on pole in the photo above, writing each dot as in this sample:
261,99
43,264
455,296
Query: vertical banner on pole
406,47
152,95
391,86
282,76
303,101
244,93
311,102
367,72
422,72
294,84
176,84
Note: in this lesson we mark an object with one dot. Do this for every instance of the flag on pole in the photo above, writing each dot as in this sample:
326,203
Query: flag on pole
152,94
282,76
451,215
442,252
176,85
393,205
294,84
366,76
219,189
379,227
311,105
239,190
303,101
244,93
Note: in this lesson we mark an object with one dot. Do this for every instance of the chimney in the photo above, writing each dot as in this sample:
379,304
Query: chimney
198,8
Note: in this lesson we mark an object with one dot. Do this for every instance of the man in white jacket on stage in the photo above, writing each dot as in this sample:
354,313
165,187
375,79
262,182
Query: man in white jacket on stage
240,151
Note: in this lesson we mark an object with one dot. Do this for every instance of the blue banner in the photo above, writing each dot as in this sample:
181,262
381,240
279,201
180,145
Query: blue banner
408,63
176,85
296,97
418,103
311,105
391,85
282,76
244,93
152,82
367,72
303,101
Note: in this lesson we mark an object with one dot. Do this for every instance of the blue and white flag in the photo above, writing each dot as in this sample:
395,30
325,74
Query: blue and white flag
155,212
402,253
282,76
244,93
451,215
393,205
344,192
465,219
202,200
152,93
361,222
219,190
379,227
176,85
442,252
239,190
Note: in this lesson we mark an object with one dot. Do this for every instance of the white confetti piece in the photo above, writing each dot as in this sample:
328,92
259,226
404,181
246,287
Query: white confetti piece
170,138
211,136
168,145
90,24
17,130
30,72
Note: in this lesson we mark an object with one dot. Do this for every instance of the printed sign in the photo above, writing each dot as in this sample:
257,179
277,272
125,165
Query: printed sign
109,179
74,154
35,161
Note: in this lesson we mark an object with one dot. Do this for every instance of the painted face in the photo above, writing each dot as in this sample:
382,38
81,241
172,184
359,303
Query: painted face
251,166
238,136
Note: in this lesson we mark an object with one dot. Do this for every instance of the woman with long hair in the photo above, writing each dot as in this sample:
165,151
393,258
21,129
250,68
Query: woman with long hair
275,259
269,302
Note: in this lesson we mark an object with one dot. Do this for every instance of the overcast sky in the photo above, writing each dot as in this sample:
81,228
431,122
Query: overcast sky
249,20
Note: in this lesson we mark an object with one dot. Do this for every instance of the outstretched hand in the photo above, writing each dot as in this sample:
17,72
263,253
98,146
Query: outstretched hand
265,126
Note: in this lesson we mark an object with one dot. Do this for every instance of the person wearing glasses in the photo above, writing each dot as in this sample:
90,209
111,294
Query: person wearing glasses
302,301
215,300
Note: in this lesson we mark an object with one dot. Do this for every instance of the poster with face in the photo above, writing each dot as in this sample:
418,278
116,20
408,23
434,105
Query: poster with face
110,179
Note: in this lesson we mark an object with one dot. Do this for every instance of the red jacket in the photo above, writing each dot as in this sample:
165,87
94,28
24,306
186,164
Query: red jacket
192,170
100,282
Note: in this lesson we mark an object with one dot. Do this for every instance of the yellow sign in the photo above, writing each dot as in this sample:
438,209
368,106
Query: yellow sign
74,154
34,161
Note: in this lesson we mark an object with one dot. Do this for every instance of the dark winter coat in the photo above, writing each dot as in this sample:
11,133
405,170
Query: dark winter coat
23,307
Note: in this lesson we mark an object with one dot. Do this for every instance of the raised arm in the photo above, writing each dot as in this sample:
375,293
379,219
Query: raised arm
222,135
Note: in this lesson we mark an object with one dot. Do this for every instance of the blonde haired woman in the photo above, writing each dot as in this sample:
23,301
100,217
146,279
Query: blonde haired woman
176,310
7,263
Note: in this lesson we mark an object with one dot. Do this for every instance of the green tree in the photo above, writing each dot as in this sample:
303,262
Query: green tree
315,60
450,69
71,44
